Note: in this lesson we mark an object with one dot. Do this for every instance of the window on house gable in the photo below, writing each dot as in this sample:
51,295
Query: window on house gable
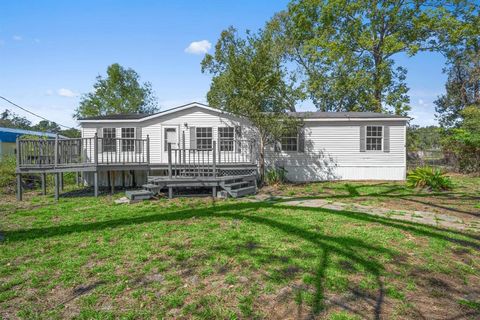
226,137
374,138
128,139
109,140
204,138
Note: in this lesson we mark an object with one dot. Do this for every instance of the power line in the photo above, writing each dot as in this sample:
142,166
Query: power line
32,113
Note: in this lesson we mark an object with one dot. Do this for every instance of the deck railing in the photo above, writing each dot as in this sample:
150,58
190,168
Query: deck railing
96,151
194,162
81,152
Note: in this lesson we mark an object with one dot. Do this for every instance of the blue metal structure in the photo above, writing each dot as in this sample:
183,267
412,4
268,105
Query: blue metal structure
11,134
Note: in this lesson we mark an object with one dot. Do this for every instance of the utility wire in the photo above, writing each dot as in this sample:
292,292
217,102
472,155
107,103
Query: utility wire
32,113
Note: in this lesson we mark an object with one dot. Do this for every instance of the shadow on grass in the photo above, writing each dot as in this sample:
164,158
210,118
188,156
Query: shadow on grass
351,191
353,249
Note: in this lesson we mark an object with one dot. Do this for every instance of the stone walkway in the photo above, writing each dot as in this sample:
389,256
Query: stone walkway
423,217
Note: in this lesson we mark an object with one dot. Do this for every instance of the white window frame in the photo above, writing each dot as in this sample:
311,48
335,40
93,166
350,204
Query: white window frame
198,139
109,147
128,143
297,142
381,137
226,144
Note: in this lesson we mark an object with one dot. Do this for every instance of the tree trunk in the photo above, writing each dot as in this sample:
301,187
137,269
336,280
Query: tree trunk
261,161
377,94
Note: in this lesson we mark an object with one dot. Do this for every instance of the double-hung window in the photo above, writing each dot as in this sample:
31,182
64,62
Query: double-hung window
128,139
109,140
374,138
226,136
204,138
289,141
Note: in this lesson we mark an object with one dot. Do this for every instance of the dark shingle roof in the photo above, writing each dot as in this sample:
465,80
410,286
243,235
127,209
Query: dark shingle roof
359,115
119,116
305,115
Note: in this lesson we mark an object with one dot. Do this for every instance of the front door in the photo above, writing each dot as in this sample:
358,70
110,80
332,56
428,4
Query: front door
170,136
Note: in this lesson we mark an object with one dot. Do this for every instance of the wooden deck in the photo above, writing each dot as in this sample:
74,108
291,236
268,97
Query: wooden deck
236,185
194,166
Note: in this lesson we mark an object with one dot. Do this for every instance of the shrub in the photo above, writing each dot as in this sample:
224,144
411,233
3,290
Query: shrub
428,177
276,175
7,174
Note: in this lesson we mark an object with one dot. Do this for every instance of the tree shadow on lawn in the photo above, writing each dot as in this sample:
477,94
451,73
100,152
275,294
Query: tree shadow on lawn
355,191
352,249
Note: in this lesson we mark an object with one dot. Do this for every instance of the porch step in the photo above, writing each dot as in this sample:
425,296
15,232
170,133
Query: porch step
243,191
235,185
154,188
139,194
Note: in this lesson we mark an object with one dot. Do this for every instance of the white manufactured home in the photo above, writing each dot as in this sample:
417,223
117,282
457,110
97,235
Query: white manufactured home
195,140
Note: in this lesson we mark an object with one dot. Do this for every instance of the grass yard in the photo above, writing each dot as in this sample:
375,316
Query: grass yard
88,258
463,201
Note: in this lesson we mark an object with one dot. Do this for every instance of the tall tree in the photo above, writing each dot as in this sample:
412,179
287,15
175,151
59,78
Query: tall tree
47,126
345,48
461,46
119,92
9,119
249,81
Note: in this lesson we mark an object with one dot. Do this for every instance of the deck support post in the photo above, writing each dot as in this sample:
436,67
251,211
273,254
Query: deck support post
19,187
77,178
123,179
44,183
61,181
57,185
214,156
169,160
214,192
112,183
170,192
95,183
95,150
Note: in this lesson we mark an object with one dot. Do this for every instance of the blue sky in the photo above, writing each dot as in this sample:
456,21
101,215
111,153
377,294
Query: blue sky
51,51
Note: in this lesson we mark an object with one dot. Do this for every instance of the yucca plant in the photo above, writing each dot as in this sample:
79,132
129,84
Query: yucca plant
428,177
275,176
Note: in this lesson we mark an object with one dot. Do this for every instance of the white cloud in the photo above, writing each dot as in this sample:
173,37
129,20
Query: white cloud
66,93
199,47
17,38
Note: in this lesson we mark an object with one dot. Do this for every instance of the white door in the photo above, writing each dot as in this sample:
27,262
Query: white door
170,136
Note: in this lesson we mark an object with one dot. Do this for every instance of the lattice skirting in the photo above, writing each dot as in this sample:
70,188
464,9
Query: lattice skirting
236,172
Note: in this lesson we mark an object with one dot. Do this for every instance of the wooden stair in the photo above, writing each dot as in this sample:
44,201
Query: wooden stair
235,186
240,186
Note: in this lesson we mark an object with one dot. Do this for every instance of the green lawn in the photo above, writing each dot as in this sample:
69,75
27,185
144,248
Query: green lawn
193,258
463,201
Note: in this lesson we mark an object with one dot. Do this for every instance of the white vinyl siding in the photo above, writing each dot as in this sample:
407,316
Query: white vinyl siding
332,153
331,148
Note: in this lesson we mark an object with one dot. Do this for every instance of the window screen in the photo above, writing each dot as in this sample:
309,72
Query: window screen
374,138
226,136
128,139
109,141
289,142
204,138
